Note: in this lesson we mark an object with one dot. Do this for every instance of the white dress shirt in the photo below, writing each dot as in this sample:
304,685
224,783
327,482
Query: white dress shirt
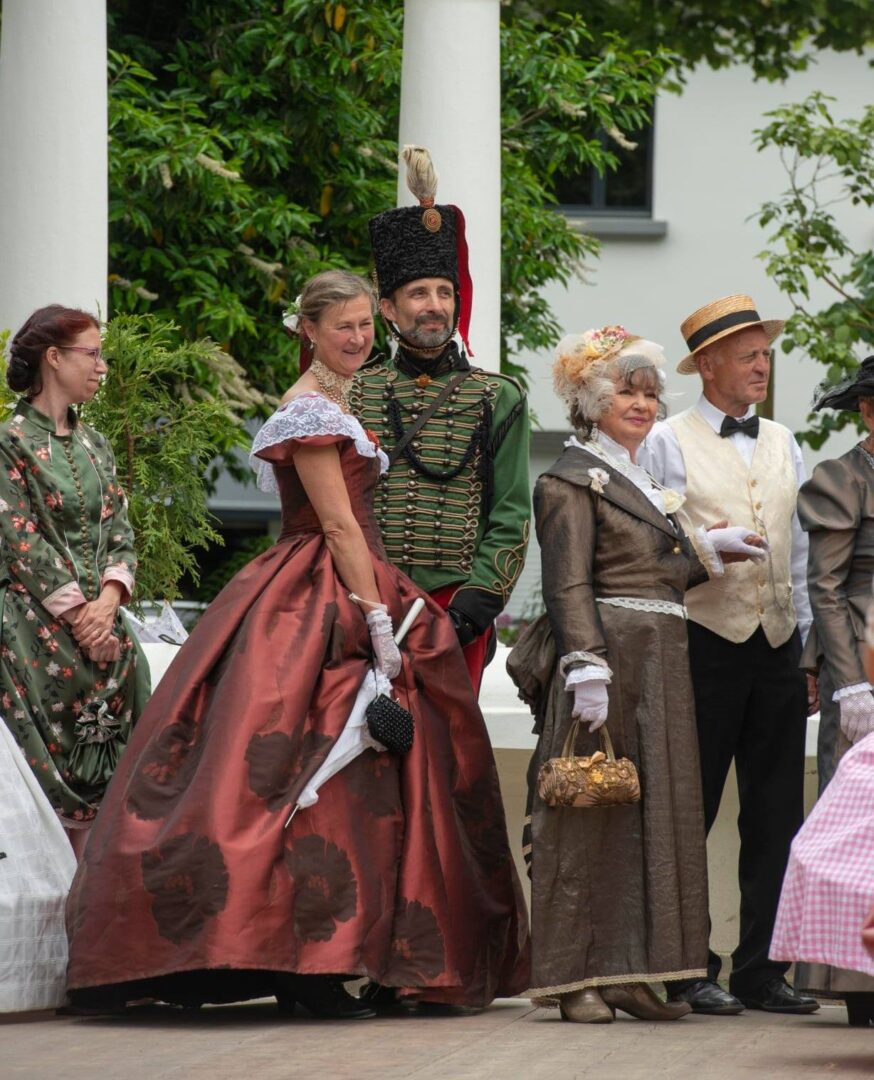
661,456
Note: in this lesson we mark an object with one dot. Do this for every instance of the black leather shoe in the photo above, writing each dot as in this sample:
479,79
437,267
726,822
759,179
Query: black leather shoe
385,1001
860,1008
776,995
708,997
322,996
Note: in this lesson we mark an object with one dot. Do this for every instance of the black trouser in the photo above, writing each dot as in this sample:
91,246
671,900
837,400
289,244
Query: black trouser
751,705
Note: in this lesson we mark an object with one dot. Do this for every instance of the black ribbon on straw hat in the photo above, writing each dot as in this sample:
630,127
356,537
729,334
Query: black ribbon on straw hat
717,320
845,394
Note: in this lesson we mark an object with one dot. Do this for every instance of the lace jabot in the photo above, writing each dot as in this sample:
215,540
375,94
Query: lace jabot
663,499
303,417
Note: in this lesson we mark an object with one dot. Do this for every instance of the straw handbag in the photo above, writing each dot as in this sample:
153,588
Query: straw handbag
599,780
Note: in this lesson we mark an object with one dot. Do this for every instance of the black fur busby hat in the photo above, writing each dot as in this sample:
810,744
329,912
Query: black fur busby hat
423,241
413,242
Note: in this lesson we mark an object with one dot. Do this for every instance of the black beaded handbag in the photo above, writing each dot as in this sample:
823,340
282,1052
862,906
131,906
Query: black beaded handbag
389,723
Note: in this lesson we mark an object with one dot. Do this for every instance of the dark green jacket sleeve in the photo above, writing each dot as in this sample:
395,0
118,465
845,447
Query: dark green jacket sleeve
500,554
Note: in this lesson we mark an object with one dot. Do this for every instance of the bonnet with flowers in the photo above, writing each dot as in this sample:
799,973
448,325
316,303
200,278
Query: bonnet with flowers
584,366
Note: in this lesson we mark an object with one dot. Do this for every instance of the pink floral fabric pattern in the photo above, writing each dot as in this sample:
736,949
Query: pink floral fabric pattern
829,882
63,528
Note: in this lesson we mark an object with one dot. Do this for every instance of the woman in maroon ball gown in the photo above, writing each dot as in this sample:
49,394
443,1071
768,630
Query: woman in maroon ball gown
191,888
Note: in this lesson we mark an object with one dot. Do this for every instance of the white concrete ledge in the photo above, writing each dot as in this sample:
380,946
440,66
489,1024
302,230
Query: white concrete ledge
509,721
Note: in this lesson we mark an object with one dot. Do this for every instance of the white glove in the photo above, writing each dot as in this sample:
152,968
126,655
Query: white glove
857,715
731,539
388,657
590,703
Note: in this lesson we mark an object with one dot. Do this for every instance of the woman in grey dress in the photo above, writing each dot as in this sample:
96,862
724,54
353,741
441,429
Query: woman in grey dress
836,509
619,894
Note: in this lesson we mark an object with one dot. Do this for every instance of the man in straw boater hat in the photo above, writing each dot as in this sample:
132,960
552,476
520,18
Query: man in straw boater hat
745,629
454,506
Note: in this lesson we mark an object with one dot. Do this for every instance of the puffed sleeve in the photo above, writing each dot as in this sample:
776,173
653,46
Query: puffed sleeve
566,531
307,420
121,557
26,555
830,510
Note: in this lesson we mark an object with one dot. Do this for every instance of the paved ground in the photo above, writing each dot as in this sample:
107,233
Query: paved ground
507,1041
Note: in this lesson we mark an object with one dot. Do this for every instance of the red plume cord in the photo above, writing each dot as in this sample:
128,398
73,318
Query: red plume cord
465,285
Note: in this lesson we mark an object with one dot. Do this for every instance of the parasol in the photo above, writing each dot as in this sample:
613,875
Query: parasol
355,737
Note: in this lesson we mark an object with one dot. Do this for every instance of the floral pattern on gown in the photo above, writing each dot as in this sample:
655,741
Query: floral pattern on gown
401,871
63,531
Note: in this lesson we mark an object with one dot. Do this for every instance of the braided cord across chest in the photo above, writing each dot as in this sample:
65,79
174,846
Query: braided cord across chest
430,503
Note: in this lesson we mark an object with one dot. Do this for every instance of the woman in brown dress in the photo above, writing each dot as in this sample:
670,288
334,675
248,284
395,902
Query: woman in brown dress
192,887
619,894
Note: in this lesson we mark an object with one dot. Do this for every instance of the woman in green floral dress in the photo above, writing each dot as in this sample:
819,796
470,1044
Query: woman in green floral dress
72,679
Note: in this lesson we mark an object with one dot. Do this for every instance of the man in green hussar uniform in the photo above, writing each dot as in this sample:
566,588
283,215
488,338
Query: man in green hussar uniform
454,507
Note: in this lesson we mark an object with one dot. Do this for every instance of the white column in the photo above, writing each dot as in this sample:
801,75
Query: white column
451,103
53,157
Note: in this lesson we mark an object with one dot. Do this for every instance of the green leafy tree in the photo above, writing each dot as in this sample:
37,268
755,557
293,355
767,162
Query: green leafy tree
559,95
252,140
166,406
247,153
828,163
7,397
774,38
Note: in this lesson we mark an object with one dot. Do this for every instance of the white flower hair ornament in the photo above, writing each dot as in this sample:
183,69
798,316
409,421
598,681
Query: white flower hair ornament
587,365
600,478
291,316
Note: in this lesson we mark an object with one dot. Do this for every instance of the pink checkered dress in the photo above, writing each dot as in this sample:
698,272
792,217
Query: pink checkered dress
829,885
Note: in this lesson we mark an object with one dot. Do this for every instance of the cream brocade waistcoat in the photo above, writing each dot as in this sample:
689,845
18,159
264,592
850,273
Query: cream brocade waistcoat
719,485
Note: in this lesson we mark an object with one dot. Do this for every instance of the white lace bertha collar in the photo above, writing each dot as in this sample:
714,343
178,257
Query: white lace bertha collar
303,417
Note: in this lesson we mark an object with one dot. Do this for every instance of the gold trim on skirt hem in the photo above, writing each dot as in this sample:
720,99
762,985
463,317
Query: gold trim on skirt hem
547,996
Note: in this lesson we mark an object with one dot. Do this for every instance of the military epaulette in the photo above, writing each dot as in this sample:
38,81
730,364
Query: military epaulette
503,378
375,361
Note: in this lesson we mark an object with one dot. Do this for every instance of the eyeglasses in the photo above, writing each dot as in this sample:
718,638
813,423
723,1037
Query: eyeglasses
95,354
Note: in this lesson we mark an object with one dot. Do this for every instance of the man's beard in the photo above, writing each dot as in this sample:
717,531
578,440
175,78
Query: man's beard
428,339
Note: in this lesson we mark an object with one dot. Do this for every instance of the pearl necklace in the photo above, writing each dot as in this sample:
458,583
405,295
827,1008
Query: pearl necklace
334,386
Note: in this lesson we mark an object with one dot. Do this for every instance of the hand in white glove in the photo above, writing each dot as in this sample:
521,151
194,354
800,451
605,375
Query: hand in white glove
857,715
388,657
737,540
590,703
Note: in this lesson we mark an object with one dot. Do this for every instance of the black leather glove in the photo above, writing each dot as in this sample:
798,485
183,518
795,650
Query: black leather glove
464,628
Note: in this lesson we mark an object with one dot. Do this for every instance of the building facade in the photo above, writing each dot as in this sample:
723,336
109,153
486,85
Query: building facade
700,241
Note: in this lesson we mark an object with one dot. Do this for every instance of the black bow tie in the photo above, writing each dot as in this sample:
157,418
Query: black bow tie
731,424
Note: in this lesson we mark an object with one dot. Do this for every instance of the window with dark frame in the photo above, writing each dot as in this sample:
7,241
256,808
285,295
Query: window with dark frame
624,191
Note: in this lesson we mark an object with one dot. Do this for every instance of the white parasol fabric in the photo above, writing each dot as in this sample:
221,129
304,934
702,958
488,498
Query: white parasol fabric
36,867
355,737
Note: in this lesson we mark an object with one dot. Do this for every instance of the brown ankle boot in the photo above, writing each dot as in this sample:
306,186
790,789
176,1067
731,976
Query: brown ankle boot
584,1007
638,999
